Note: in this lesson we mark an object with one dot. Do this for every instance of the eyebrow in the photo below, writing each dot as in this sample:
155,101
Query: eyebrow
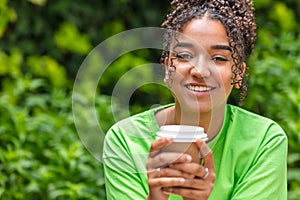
183,44
224,47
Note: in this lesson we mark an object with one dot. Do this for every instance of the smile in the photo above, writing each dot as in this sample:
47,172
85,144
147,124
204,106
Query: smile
199,88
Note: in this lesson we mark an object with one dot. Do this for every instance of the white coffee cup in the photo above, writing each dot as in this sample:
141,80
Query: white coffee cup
184,139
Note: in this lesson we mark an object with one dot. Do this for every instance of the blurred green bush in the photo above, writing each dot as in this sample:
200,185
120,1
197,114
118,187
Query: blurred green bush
41,156
275,77
42,45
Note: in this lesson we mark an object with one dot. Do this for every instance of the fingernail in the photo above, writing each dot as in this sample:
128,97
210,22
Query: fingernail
189,158
167,193
182,180
191,176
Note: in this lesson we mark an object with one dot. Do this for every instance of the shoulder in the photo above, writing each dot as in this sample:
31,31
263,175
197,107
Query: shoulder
133,124
253,135
144,122
249,119
129,140
243,113
249,126
141,126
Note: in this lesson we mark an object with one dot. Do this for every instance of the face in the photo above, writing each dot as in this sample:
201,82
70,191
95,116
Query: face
202,57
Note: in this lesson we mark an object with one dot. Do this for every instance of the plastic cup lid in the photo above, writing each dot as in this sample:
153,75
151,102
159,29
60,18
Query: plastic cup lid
182,133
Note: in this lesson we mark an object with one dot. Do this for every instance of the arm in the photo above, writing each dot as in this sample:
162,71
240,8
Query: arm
122,179
266,178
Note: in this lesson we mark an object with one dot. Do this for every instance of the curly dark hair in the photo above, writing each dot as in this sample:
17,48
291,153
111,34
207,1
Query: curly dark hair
238,18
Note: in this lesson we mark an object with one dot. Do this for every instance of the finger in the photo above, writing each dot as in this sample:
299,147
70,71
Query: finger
206,154
204,148
197,184
158,144
166,158
193,168
166,182
187,193
168,172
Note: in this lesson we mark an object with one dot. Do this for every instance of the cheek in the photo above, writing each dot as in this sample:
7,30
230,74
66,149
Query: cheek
224,74
227,80
179,75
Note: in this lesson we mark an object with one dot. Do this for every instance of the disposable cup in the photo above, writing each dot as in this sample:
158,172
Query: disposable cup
184,139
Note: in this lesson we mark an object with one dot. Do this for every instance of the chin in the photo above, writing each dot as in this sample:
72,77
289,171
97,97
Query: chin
198,107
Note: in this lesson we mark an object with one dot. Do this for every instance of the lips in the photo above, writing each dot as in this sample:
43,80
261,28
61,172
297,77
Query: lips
199,88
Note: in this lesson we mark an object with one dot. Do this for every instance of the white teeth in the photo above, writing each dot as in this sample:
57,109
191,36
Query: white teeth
199,88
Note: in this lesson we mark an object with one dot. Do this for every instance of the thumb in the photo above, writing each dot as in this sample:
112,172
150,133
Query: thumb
205,153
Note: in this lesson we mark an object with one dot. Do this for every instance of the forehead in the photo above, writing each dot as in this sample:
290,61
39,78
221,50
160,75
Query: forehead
204,32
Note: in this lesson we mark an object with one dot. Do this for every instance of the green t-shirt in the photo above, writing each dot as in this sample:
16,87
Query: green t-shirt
249,153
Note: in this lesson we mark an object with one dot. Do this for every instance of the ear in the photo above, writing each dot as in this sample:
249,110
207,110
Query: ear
166,64
239,78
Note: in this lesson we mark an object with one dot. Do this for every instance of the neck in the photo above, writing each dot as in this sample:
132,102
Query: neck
211,121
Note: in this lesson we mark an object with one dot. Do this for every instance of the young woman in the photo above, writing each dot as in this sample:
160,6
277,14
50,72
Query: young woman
206,48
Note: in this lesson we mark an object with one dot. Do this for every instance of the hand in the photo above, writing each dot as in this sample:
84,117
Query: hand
159,174
202,184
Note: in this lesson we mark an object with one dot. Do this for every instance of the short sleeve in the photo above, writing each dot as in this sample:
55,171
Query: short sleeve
266,178
122,180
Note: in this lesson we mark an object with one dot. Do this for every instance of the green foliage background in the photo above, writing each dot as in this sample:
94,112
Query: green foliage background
42,45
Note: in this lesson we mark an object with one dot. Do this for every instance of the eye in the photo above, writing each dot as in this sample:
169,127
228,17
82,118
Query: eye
219,59
184,56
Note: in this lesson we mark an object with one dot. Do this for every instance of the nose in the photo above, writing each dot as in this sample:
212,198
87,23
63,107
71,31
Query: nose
201,68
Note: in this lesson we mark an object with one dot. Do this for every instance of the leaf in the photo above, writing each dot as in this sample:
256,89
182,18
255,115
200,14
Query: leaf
68,38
